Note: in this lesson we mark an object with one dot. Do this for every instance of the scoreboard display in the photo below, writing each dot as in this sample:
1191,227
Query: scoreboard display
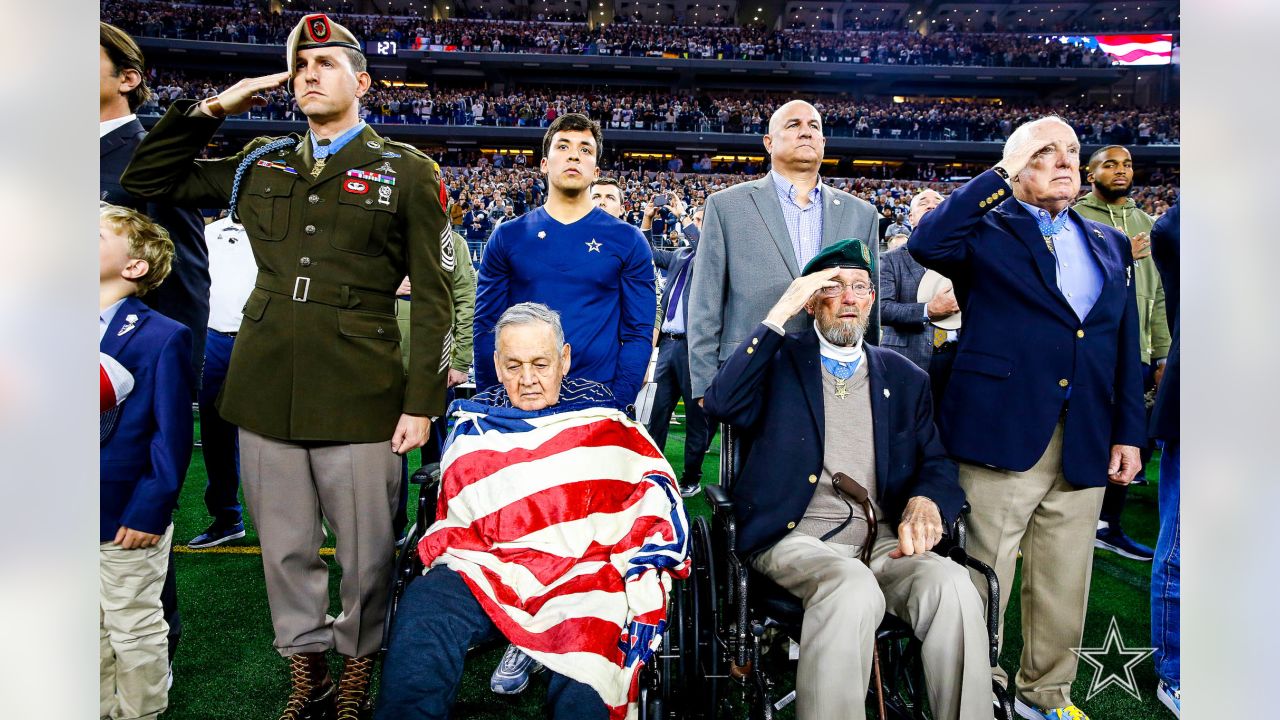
380,47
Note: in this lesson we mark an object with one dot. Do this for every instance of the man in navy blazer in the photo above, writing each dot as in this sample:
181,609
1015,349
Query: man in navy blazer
1045,395
144,457
818,405
1166,573
184,296
907,324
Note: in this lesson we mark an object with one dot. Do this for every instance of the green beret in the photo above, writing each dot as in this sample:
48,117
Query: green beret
850,253
317,31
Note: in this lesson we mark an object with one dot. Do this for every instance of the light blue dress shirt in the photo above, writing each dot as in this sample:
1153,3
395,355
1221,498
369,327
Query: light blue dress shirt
1078,273
106,316
804,224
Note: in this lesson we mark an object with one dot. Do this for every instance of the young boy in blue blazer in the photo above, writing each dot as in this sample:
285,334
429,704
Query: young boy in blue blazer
145,449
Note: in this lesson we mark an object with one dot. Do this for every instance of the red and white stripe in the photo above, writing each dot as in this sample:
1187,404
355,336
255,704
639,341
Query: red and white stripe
114,382
1138,49
546,520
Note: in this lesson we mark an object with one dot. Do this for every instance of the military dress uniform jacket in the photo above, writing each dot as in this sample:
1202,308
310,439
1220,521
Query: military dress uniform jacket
318,356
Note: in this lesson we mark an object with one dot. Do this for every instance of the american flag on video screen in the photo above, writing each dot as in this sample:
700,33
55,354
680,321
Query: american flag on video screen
568,528
1137,49
1127,49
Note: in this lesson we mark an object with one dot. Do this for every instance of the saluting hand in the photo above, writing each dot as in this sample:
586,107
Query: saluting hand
1020,156
244,95
798,293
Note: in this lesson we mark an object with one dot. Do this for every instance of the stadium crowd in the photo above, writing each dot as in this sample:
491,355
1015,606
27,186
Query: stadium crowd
146,18
736,113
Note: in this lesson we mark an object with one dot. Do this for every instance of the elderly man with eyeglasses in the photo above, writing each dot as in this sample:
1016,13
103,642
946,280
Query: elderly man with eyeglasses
835,422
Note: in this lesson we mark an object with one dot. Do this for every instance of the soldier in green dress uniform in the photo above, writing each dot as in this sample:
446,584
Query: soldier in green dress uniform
337,217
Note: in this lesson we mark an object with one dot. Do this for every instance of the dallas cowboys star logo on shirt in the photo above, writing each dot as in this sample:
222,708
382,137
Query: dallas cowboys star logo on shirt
593,246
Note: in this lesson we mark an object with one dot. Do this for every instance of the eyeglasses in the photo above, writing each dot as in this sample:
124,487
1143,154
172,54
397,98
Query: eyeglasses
860,290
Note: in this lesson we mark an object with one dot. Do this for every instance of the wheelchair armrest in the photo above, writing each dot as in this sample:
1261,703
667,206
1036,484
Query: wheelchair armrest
719,498
427,493
993,604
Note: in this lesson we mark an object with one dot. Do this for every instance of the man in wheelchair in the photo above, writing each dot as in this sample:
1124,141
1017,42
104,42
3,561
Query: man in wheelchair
559,528
841,434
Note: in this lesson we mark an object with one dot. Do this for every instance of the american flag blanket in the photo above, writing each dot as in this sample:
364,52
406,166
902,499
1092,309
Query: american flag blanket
568,527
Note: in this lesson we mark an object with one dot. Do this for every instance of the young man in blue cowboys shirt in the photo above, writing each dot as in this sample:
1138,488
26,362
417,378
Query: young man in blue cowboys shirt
592,268
570,255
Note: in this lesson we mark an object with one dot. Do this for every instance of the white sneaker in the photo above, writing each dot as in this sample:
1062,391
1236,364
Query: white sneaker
1171,697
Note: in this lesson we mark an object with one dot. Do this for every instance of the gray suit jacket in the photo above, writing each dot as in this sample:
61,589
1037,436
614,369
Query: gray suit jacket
746,261
905,329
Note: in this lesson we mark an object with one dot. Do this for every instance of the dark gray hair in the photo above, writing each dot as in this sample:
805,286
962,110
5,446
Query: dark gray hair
526,313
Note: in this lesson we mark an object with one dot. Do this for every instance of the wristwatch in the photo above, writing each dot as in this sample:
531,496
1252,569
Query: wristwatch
1001,172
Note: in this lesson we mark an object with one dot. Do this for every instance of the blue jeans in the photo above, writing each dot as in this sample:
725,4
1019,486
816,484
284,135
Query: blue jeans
219,440
1166,633
437,620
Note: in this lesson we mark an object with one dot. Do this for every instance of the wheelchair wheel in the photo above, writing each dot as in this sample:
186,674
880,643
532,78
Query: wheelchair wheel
700,659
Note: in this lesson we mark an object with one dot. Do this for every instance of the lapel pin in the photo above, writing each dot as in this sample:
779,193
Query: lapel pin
386,168
836,201
130,322
542,234
384,195
373,145
886,392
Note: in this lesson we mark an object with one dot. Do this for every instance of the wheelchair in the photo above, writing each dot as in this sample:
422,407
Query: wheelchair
726,611
655,675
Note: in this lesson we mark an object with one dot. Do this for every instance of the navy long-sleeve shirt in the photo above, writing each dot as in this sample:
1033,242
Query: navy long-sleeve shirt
596,272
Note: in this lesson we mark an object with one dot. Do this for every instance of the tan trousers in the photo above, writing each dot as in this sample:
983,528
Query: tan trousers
1054,524
290,488
133,645
844,603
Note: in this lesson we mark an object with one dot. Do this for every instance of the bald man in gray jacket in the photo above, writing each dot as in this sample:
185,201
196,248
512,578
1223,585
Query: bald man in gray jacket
758,234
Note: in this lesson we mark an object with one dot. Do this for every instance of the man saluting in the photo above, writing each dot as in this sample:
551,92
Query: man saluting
337,217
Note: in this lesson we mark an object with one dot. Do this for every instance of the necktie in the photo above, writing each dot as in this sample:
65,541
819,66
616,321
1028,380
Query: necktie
674,302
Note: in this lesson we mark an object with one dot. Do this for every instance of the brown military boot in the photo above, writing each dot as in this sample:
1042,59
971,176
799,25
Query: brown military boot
313,690
354,701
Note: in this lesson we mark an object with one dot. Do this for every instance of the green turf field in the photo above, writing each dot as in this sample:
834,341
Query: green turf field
226,667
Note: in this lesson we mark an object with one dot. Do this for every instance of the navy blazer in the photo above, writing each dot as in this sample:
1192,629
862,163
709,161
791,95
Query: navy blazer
1166,250
144,459
903,327
1023,351
184,295
770,390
